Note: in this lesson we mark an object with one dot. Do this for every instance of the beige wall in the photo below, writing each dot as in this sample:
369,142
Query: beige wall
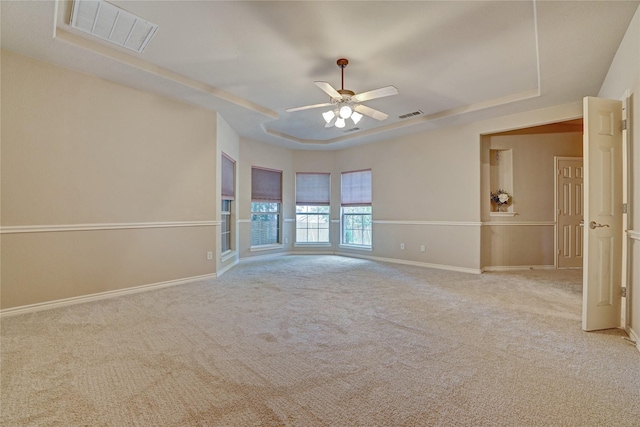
105,187
424,193
527,238
427,191
126,179
115,168
623,76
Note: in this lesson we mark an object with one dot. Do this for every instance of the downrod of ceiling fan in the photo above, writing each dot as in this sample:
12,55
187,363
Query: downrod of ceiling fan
342,63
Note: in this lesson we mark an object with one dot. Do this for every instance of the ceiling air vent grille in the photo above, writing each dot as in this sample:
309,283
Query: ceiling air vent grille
406,116
111,23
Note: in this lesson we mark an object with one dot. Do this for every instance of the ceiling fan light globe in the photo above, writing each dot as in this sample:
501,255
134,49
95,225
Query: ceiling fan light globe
345,111
355,116
328,115
340,123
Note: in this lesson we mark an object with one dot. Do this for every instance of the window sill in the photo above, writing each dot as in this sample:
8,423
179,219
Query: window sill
502,214
356,247
266,247
312,245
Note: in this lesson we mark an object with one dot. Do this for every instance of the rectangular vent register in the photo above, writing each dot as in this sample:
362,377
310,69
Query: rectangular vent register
111,23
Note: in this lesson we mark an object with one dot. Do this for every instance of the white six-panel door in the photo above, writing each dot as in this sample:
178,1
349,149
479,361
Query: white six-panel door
602,269
569,214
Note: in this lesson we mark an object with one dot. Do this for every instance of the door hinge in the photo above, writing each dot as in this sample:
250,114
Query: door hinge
624,124
624,208
624,292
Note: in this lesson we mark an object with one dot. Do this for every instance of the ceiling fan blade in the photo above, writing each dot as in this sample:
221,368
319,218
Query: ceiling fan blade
368,111
376,93
328,89
307,107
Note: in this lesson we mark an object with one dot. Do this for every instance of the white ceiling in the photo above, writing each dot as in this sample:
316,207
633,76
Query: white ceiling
456,61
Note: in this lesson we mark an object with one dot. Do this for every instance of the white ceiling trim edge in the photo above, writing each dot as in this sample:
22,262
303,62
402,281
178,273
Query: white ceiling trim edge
65,36
532,93
496,102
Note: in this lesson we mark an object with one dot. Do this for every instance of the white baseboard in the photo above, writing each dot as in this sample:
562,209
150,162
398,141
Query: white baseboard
32,308
635,337
414,263
518,267
228,267
373,258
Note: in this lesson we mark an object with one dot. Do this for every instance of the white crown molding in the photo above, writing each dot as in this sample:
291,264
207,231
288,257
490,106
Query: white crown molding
115,226
140,64
491,103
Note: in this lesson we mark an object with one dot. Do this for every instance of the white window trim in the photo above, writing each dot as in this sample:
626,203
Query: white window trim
357,247
268,247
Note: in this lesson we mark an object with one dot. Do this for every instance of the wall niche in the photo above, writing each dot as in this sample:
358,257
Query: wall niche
501,178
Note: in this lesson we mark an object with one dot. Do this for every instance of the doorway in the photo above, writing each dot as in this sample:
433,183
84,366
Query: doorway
525,236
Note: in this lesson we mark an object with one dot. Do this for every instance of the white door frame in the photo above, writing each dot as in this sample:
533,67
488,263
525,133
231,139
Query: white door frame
626,200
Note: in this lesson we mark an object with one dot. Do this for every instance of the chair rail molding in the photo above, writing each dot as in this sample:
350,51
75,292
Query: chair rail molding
634,234
14,229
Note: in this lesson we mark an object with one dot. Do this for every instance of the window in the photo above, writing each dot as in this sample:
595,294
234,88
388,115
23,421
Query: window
228,173
312,224
312,207
266,198
356,225
356,218
225,235
265,223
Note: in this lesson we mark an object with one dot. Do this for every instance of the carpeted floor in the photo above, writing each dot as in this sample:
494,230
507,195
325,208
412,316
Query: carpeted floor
323,341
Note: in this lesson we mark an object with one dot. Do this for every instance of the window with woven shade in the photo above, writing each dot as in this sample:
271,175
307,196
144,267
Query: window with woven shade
266,199
313,199
355,209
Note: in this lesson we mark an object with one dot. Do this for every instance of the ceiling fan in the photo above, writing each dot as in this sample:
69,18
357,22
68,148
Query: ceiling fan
346,103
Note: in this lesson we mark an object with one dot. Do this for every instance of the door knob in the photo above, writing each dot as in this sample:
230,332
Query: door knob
594,224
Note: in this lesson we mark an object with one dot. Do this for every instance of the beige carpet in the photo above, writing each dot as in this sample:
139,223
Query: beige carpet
323,341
